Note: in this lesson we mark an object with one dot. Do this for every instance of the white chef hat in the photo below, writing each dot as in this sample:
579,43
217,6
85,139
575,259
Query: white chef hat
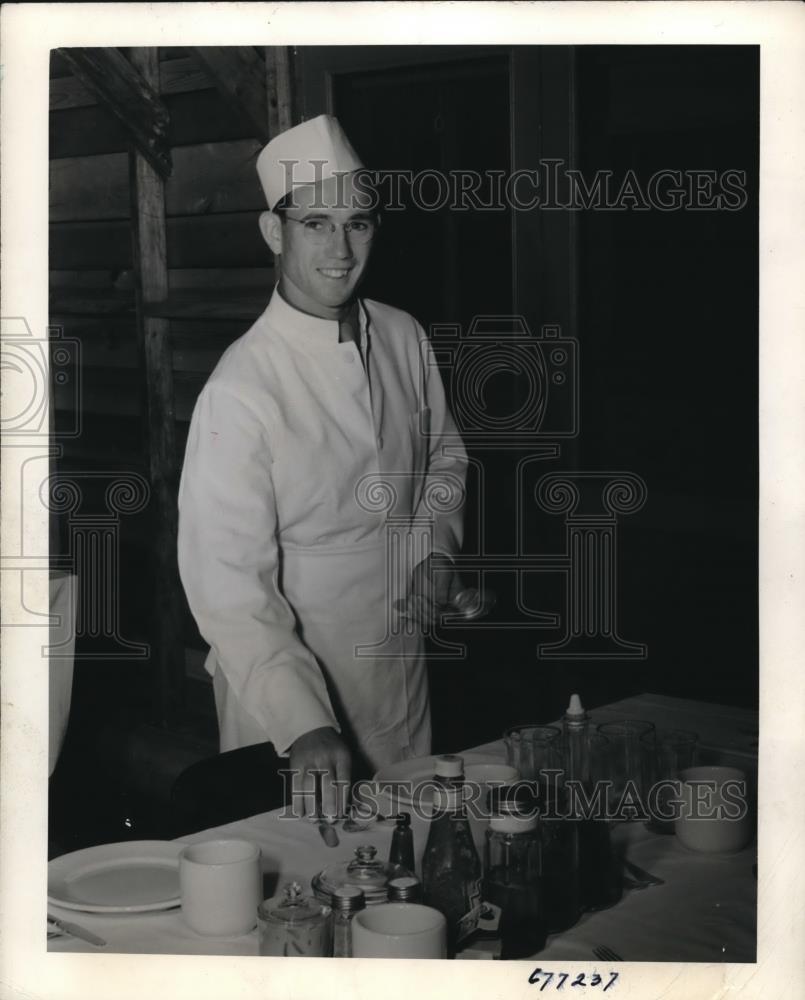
310,152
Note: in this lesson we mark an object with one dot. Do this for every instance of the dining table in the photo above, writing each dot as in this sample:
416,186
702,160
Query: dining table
705,910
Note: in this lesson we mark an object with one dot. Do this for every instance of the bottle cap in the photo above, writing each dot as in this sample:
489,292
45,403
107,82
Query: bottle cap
404,888
403,820
522,797
404,882
348,898
512,822
449,765
575,708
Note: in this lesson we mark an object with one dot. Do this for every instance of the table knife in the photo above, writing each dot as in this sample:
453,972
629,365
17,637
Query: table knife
328,834
76,931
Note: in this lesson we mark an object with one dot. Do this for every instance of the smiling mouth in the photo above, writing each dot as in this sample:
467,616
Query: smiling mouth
337,273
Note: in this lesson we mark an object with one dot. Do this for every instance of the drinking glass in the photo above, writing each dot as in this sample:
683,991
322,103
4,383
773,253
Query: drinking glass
628,757
532,749
666,753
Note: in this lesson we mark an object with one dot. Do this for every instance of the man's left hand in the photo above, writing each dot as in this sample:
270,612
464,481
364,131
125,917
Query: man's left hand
434,584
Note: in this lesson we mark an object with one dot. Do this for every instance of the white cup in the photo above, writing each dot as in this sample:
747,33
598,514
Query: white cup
221,887
399,930
714,815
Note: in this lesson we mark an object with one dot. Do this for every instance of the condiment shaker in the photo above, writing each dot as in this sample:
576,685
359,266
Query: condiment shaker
294,925
346,902
406,889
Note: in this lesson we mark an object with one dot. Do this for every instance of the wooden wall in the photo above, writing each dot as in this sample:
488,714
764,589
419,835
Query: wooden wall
219,270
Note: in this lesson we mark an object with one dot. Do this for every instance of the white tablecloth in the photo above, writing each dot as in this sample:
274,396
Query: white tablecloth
706,911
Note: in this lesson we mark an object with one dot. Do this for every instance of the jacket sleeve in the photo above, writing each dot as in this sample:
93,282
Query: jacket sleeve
228,562
443,493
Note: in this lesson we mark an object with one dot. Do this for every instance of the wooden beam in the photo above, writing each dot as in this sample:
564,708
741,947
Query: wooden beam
281,90
129,96
177,76
241,303
151,268
208,178
223,240
239,74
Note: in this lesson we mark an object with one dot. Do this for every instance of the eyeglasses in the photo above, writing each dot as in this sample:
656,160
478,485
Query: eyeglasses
321,230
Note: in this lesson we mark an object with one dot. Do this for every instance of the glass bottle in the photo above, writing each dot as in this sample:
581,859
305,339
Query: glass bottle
406,889
599,875
451,868
346,902
402,843
559,832
294,925
513,878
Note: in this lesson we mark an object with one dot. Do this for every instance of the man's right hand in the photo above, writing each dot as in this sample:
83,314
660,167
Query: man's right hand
321,750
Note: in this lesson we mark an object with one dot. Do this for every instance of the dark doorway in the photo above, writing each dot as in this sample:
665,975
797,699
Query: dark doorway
444,266
441,265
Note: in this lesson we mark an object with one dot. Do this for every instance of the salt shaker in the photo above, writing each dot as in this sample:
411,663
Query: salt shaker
346,901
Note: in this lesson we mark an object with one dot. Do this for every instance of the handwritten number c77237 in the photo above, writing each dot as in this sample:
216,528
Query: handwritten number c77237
543,978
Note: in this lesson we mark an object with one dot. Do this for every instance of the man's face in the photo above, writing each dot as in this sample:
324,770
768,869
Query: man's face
323,277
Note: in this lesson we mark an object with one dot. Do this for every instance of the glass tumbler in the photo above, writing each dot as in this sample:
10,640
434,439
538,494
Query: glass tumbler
666,753
532,749
629,759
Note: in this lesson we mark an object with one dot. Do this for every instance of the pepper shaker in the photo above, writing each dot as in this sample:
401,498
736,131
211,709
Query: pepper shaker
346,901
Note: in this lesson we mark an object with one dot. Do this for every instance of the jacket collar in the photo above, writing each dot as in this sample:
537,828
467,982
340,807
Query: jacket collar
294,323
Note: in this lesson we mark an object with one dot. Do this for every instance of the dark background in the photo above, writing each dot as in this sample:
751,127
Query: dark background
663,305
667,326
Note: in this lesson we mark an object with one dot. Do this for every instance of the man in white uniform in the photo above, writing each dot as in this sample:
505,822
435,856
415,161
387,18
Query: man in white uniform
317,438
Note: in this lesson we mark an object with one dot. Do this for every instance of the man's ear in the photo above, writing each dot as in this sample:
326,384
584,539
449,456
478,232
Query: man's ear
271,231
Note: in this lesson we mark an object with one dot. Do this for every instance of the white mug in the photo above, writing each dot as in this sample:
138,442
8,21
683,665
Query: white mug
221,887
399,930
714,815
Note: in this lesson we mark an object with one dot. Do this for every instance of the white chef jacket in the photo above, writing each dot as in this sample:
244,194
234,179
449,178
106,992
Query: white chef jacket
301,464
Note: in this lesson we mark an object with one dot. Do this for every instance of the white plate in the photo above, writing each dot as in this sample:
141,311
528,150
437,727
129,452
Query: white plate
136,876
419,770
